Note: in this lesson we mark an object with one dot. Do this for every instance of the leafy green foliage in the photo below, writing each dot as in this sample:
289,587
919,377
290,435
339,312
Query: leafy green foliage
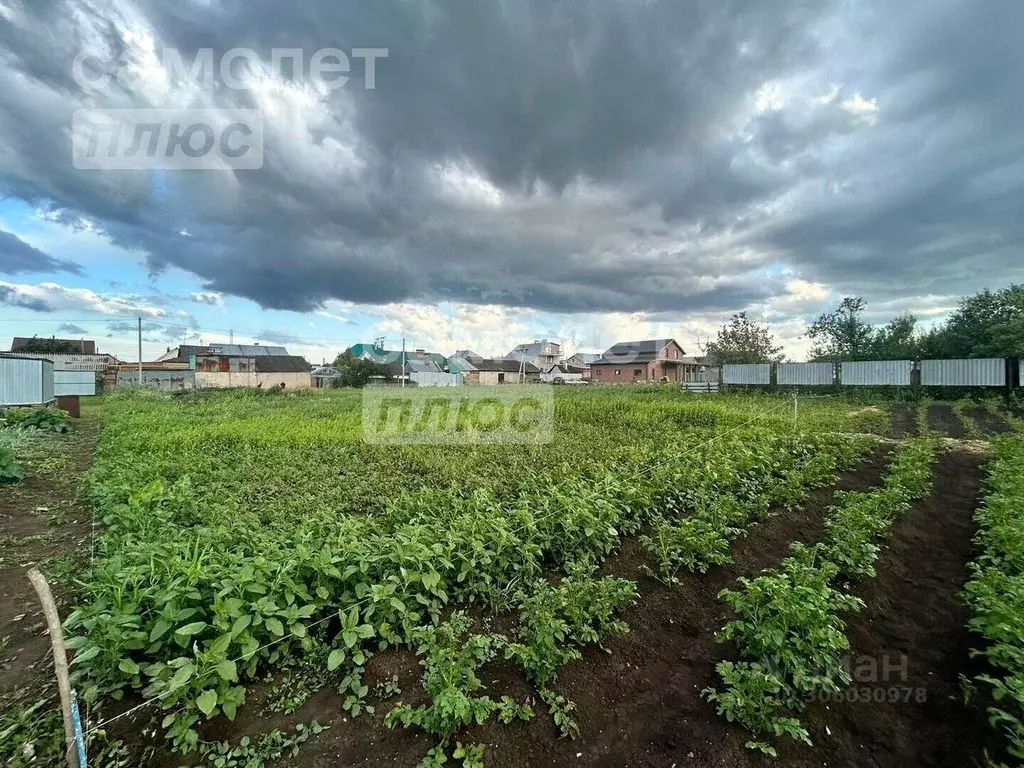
10,472
242,532
788,627
995,591
754,697
744,341
43,419
356,372
557,620
451,660
270,747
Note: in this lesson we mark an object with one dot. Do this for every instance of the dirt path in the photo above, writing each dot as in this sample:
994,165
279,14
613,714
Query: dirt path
944,421
912,638
41,523
988,422
904,421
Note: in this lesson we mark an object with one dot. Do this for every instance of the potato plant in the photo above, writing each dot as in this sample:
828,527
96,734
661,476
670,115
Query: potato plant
995,591
451,661
241,531
788,629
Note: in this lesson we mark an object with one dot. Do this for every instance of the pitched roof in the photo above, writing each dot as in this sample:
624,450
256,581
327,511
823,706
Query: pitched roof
586,357
534,349
461,364
182,354
634,351
504,366
282,364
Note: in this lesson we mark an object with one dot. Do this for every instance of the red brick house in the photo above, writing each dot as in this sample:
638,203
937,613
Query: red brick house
653,360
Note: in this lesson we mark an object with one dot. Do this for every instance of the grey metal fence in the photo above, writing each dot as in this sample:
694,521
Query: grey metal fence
74,382
747,373
806,374
435,379
876,372
980,372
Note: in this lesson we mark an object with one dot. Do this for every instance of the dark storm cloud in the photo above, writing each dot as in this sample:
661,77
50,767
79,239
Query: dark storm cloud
567,157
18,256
75,330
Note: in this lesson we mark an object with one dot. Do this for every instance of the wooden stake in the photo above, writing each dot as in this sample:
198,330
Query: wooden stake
60,659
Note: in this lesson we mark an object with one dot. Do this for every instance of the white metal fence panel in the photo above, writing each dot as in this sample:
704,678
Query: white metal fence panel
806,374
74,383
47,383
747,373
434,379
876,372
980,372
70,362
166,380
24,381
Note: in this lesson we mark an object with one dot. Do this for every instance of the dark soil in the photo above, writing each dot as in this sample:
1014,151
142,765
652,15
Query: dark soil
40,521
988,422
944,421
911,642
904,421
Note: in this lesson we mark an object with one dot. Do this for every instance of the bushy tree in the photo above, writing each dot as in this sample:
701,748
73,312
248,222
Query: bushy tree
50,346
898,340
356,372
987,324
843,333
743,341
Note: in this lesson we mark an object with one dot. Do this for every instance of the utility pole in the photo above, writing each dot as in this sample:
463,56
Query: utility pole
522,367
403,361
140,350
231,336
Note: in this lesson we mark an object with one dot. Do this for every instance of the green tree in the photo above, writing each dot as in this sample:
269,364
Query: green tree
50,346
743,341
987,324
843,333
356,372
898,340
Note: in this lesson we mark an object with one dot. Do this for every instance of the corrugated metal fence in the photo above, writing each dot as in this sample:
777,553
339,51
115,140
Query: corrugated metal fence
24,381
168,380
806,374
876,372
74,383
747,373
981,372
434,379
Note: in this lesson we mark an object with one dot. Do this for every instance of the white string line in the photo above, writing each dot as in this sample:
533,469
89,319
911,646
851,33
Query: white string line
250,654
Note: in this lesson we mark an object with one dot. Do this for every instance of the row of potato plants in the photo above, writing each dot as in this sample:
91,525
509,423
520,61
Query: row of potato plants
703,537
995,591
193,593
789,630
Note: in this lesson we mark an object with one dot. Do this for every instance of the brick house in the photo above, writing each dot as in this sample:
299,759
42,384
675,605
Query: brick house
652,360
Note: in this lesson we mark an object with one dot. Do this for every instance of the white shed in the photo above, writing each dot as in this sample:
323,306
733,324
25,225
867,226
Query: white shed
25,381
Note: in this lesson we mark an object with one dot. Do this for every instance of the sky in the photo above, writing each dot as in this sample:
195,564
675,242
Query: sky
587,172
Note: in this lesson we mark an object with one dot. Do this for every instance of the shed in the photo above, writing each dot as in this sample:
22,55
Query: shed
25,381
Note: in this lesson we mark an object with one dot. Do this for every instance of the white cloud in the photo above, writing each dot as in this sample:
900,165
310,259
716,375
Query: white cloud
60,298
865,111
211,298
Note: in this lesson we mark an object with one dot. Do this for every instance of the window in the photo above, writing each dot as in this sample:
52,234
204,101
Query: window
617,371
501,378
638,371
597,371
